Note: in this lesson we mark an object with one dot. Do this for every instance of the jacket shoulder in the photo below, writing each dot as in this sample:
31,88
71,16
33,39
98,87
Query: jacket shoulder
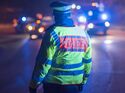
50,29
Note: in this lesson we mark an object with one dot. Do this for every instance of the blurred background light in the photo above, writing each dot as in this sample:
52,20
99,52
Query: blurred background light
90,25
108,41
23,19
30,27
34,36
104,16
73,6
38,21
90,13
78,7
41,29
82,19
107,24
39,15
95,4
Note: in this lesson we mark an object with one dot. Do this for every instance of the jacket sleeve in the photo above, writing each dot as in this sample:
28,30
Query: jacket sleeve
43,61
87,61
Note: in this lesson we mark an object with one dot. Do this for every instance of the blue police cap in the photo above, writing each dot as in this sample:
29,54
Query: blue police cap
60,6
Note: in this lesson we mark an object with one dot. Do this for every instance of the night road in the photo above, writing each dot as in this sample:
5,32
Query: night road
17,58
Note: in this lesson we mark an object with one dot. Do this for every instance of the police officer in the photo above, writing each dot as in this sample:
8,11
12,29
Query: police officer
64,62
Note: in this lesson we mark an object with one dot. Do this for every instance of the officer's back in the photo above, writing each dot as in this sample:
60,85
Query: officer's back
64,60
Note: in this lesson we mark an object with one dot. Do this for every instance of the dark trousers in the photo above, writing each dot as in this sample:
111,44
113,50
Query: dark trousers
55,88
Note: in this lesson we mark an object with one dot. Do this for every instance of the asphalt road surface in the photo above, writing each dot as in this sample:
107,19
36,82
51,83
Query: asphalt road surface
17,58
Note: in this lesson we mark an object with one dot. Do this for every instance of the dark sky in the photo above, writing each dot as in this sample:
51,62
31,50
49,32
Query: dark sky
12,2
22,2
36,3
17,8
31,6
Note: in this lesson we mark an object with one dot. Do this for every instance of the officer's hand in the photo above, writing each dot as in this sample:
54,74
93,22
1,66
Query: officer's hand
31,90
84,80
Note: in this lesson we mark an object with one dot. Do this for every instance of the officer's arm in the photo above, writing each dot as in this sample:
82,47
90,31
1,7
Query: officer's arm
43,61
87,60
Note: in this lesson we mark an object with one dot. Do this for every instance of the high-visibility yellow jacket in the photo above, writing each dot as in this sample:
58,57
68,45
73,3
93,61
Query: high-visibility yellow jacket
64,58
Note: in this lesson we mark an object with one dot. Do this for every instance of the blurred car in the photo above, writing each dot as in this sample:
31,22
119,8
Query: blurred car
20,24
94,17
35,30
34,27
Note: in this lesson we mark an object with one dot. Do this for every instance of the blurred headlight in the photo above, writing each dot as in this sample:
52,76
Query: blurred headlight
30,27
108,41
33,36
90,25
82,19
41,29
23,19
104,16
38,21
107,24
